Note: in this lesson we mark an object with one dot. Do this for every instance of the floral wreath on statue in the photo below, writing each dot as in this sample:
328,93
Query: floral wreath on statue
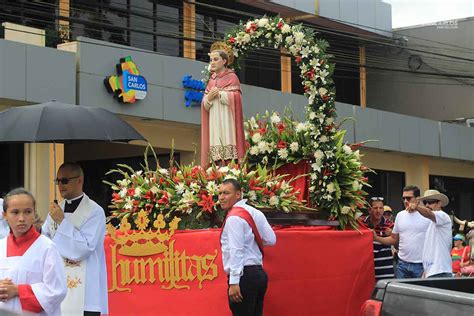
337,176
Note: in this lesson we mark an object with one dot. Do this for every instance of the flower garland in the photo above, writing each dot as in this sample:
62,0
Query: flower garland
316,74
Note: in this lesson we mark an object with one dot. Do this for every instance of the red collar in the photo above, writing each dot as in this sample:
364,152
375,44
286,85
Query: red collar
18,246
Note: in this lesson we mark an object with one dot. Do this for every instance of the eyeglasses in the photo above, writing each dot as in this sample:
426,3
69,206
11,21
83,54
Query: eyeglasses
376,198
64,180
408,198
426,202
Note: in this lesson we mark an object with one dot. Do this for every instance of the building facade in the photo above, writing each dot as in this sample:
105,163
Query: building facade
64,50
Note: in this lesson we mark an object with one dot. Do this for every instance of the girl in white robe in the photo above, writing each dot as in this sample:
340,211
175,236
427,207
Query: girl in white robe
31,270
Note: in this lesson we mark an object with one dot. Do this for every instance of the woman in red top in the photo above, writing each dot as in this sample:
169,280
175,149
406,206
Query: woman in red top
459,254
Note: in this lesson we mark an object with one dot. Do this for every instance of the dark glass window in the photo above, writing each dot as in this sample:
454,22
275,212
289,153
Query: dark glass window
146,24
11,167
460,192
389,185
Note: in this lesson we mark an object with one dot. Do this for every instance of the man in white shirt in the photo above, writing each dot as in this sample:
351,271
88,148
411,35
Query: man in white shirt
245,232
409,232
437,246
77,226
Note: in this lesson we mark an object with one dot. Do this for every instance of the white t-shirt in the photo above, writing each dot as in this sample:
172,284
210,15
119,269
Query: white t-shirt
437,248
411,228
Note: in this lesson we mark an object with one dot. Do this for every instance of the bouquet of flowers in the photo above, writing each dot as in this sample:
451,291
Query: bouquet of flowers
191,193
274,140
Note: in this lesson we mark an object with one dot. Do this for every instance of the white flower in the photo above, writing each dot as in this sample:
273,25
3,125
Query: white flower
224,169
283,153
293,49
275,118
180,188
189,210
230,176
278,38
329,121
312,115
331,187
154,189
315,49
318,154
345,210
347,149
301,127
299,36
289,40
356,186
284,185
248,25
194,186
314,62
235,172
313,176
254,150
305,52
294,146
357,154
188,196
123,192
323,139
246,38
252,195
262,22
323,91
274,200
137,192
211,187
286,28
257,137
265,160
129,205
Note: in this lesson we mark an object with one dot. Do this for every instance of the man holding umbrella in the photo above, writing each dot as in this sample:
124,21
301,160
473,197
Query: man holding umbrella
77,226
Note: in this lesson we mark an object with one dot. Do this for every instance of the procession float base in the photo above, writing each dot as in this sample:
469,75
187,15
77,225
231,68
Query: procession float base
312,271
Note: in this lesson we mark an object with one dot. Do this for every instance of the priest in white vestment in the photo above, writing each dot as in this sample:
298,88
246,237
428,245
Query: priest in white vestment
32,277
77,227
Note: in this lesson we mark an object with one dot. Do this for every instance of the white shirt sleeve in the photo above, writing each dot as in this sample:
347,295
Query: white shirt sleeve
52,291
442,218
234,228
78,245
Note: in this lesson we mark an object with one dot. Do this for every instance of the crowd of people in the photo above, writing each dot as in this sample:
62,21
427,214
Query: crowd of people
418,242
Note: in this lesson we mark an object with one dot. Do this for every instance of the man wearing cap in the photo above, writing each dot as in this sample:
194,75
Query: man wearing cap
387,213
437,246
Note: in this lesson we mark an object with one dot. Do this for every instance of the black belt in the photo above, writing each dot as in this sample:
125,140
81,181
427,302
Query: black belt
253,267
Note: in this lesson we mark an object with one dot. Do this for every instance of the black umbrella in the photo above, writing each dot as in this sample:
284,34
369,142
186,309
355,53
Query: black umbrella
56,122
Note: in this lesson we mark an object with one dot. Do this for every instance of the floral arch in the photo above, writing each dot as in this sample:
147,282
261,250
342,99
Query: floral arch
336,173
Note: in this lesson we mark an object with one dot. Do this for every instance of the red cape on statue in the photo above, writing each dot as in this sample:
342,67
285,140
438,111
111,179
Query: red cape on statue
227,81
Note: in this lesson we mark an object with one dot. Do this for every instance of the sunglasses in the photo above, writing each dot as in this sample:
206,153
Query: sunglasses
376,198
64,180
426,202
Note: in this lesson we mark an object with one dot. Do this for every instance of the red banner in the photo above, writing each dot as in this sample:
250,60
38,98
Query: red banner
312,271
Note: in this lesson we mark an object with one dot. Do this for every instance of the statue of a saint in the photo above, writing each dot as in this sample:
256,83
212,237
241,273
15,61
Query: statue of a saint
222,122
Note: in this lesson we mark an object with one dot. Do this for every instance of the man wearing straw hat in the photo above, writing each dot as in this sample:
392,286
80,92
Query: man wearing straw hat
437,246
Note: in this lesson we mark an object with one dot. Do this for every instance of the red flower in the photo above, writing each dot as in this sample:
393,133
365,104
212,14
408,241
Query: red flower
281,144
298,59
310,74
327,172
149,207
149,195
116,197
281,127
131,192
306,88
252,185
262,130
325,98
232,40
195,171
164,199
280,25
206,203
329,127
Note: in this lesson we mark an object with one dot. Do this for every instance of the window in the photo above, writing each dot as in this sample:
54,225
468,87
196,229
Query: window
460,192
11,167
389,185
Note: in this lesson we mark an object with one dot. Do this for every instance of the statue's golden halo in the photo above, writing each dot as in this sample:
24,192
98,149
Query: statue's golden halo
222,46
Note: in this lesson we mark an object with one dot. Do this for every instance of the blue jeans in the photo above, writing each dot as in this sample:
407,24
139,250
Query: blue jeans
442,275
407,270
